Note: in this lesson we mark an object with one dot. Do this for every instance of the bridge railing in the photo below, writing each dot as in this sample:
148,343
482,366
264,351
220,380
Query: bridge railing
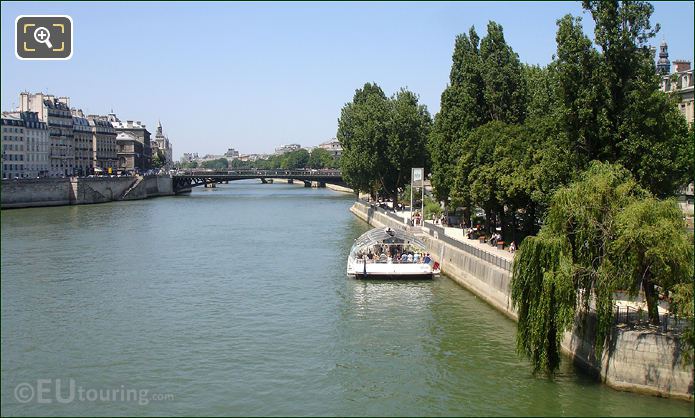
260,173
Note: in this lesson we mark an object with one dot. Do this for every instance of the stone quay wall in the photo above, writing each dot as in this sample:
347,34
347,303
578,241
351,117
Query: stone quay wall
25,193
637,361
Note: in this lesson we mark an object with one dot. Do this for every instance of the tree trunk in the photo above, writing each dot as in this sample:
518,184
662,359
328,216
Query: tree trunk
652,297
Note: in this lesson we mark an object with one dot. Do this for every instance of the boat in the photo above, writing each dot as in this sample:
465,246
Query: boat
386,253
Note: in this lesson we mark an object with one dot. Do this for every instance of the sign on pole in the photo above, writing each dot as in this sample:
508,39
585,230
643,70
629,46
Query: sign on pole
417,177
416,180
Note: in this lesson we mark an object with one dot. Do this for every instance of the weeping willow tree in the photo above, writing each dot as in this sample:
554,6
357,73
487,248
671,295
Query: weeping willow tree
602,234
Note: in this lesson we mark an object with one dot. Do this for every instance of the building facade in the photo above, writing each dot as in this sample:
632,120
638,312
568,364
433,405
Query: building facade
282,149
82,133
678,82
37,143
12,141
104,147
139,131
55,112
130,152
332,146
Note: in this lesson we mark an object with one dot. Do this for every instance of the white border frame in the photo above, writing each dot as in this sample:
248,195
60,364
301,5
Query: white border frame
72,36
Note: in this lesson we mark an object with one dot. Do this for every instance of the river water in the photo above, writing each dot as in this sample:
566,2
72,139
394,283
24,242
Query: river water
234,301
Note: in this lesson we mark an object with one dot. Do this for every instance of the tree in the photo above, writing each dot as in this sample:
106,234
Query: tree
581,92
602,233
541,95
321,158
382,139
610,104
504,89
362,132
218,164
462,109
295,159
409,125
650,249
158,160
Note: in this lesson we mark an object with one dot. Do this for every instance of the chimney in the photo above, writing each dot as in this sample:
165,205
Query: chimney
681,65
130,123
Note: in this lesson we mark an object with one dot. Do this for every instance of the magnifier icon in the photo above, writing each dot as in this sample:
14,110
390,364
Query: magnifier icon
43,36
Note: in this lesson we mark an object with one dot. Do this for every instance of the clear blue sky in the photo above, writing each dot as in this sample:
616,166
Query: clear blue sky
256,75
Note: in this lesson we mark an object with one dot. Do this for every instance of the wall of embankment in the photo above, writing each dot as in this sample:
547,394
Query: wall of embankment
24,193
636,360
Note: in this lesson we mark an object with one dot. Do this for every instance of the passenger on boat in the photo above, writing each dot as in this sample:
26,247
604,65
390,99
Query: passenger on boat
404,258
427,259
416,258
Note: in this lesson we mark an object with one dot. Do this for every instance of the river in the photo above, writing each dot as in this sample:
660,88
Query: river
234,301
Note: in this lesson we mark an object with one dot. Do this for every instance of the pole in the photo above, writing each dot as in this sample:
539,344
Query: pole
411,199
422,201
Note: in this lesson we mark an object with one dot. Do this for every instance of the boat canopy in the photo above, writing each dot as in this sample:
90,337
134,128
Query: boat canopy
386,236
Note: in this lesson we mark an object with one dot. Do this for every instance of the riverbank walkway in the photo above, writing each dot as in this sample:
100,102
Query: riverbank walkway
460,235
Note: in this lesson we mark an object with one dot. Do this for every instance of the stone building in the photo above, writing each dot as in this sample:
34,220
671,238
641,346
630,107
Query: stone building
37,143
282,149
82,133
679,82
332,146
130,152
55,111
25,145
104,147
12,141
162,145
138,130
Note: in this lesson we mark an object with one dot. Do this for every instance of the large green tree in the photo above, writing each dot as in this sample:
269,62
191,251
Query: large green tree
409,125
504,89
382,139
611,107
462,109
486,83
362,133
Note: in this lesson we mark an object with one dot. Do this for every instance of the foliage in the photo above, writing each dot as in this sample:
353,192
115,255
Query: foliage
321,158
486,84
611,107
602,233
462,109
189,164
650,249
432,207
382,139
218,164
158,160
362,133
543,295
295,159
504,89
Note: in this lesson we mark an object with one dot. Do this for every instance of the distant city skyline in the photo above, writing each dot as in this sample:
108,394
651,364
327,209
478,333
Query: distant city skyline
254,76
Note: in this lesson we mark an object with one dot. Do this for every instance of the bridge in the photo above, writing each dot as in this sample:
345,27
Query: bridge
184,180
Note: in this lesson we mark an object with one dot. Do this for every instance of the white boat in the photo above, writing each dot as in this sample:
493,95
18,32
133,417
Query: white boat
385,253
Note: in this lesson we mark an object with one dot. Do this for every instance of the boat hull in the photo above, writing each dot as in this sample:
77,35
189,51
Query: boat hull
410,276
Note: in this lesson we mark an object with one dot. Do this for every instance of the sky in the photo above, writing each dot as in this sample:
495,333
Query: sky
253,76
